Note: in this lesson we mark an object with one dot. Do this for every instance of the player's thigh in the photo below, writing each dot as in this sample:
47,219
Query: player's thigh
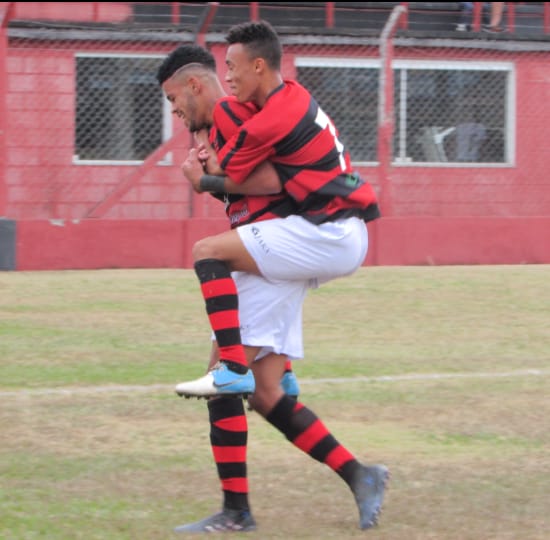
227,247
293,248
270,314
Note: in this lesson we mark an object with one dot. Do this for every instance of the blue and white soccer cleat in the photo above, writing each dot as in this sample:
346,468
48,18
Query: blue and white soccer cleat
220,381
368,489
289,384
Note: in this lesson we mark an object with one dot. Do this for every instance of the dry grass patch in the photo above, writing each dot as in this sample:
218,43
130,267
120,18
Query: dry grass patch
469,456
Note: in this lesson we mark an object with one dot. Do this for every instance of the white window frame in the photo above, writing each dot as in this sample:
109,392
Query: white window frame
402,66
167,125
462,65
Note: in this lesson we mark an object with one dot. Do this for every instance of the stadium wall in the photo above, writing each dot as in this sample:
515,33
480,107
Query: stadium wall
91,244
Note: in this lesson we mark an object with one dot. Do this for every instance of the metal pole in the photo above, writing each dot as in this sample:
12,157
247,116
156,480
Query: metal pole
205,20
385,107
6,9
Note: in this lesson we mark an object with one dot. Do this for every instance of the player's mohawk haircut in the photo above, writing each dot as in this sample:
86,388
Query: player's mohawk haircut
182,56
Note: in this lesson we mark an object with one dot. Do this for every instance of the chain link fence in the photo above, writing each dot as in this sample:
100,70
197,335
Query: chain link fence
85,113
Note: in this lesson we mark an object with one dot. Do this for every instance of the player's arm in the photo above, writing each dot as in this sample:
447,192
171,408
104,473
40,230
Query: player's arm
263,180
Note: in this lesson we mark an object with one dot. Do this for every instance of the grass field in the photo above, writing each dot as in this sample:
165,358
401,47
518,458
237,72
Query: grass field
441,373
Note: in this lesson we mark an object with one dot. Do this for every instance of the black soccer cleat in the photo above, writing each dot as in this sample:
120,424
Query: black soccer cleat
225,521
368,489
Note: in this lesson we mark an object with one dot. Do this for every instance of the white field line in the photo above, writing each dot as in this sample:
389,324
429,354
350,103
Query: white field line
127,389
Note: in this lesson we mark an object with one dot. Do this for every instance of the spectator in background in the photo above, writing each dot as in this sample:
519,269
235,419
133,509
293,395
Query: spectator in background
495,18
492,11
466,12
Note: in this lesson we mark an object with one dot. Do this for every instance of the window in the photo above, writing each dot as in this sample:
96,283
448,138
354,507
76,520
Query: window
444,112
347,91
121,115
453,112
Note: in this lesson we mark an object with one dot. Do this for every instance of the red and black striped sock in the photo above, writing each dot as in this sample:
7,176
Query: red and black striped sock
228,437
222,306
305,430
288,366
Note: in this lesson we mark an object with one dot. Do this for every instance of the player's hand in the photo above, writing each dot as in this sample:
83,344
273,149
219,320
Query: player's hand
203,155
192,169
208,157
207,154
201,140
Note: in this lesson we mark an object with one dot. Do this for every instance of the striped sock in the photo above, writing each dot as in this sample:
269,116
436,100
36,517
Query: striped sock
306,431
222,306
228,438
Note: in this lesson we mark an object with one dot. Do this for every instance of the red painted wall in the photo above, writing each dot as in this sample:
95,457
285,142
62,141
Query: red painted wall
111,12
43,183
167,243
465,240
102,243
439,215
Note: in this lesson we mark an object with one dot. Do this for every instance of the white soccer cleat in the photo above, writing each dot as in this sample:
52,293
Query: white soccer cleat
220,381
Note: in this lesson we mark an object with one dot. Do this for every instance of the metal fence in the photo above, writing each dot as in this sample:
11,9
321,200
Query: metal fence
89,133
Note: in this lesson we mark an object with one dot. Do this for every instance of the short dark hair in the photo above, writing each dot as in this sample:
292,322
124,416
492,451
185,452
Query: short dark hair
183,55
260,39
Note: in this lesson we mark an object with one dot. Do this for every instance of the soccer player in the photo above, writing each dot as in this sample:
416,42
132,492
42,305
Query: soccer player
188,78
328,238
270,321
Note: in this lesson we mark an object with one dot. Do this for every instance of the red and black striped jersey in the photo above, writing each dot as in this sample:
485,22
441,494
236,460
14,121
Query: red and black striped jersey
293,133
228,116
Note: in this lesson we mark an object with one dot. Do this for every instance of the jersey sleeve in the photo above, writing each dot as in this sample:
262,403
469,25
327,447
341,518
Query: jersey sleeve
228,116
251,145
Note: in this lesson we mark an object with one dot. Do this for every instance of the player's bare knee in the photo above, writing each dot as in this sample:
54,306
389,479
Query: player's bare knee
263,401
257,403
203,249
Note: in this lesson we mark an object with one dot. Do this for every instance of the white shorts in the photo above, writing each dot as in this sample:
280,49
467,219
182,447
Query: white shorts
270,314
292,248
